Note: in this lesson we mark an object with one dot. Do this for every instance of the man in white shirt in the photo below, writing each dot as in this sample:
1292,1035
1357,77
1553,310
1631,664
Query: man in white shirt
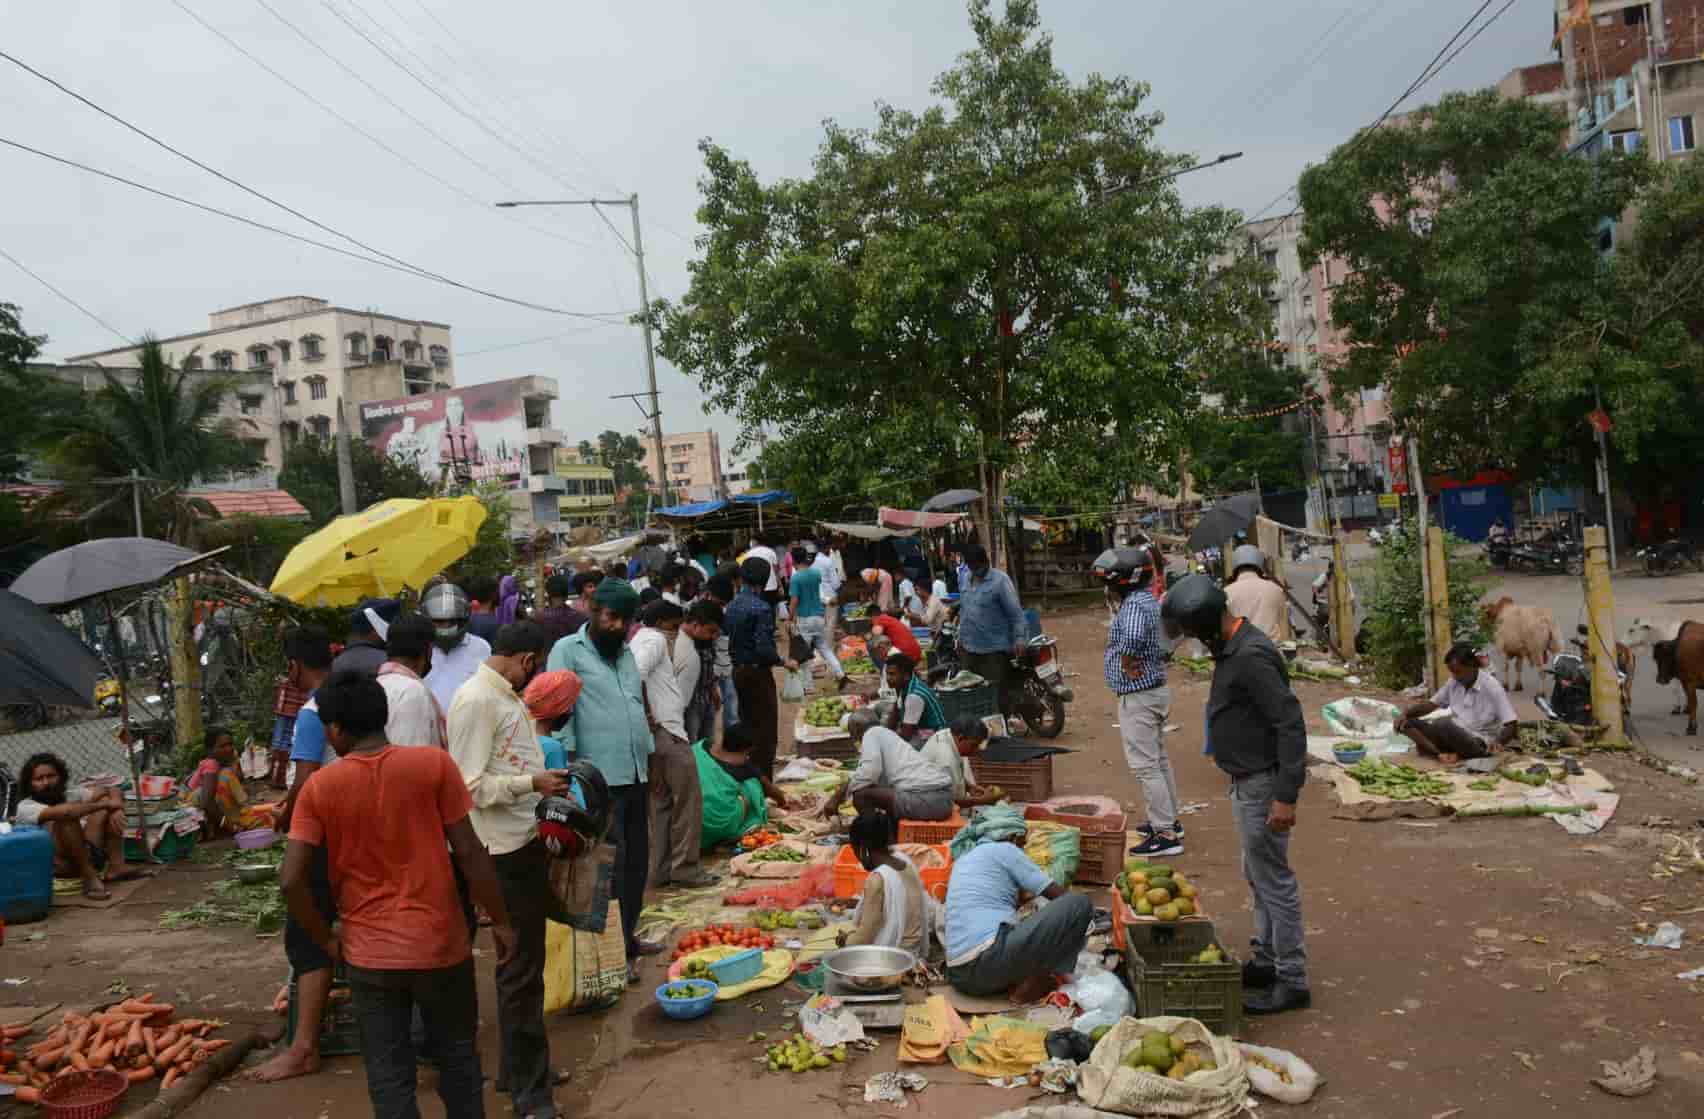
1253,596
1481,719
764,552
892,775
927,608
414,716
677,800
951,749
456,653
493,743
832,577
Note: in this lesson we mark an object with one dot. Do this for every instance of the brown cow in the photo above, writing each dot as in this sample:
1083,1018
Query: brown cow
1683,660
1523,634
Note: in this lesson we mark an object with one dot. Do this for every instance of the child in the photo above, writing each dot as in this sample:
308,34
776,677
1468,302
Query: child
894,910
286,705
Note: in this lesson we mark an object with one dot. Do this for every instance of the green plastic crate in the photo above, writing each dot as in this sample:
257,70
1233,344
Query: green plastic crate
173,848
1167,981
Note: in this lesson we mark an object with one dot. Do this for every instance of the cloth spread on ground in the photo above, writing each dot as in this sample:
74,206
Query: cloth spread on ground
930,1027
1508,797
777,966
999,1046
749,865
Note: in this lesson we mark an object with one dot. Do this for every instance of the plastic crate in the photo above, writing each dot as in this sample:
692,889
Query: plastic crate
1100,855
981,701
1024,782
849,874
859,626
730,971
840,749
174,847
340,1033
931,833
1167,981
1130,930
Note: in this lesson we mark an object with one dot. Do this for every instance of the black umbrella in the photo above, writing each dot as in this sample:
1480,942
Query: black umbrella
1223,521
41,661
950,499
94,567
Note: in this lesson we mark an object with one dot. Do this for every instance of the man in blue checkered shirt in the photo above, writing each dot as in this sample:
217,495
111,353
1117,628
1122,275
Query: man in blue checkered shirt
1136,673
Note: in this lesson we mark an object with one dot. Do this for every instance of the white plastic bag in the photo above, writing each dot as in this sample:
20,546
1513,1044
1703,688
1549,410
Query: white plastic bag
793,690
1103,997
1304,1081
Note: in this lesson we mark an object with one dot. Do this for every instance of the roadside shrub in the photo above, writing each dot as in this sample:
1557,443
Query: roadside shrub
1394,630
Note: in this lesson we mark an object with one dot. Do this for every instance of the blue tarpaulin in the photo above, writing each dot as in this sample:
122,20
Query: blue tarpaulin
696,509
767,497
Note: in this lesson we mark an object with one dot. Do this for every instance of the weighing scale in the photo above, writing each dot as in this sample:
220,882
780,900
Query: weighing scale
882,1010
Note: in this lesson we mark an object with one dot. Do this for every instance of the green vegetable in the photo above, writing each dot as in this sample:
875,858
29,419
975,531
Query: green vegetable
776,853
1398,782
688,991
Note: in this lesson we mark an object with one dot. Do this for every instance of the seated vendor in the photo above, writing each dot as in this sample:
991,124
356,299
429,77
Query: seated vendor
927,608
894,909
989,950
733,754
951,749
1481,719
216,787
87,824
919,711
892,775
891,626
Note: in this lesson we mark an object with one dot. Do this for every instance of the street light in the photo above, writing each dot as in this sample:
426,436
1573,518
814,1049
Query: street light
656,417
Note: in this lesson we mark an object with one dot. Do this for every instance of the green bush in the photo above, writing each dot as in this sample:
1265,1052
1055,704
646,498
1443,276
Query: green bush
1394,630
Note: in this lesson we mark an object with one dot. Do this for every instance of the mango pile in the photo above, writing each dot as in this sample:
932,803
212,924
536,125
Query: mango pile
1155,890
800,1054
825,712
1166,1055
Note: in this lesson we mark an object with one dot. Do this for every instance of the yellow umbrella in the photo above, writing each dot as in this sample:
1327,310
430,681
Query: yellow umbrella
377,552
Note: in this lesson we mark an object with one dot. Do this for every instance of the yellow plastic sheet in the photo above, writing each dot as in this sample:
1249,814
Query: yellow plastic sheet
1000,1046
777,966
930,1027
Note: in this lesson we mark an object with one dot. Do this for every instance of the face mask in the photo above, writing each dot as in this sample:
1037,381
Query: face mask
446,637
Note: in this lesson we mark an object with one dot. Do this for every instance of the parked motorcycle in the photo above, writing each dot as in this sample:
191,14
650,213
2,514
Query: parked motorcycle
1570,699
1669,557
1552,557
1035,690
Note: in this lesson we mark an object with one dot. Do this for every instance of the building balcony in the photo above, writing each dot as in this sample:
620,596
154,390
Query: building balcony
544,437
585,503
545,483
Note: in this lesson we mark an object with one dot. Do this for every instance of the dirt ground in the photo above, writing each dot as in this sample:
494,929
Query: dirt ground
1484,965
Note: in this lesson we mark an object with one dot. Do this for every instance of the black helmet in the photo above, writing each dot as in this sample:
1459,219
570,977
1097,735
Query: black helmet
1124,569
1194,607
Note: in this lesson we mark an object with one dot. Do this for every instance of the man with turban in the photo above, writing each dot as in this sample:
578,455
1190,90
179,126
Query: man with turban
611,729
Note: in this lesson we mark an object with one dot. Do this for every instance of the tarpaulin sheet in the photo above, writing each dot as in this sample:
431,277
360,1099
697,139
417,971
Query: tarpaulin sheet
913,518
694,510
866,532
767,497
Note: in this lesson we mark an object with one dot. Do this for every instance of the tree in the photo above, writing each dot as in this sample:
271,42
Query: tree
1470,238
1254,433
310,476
623,454
493,551
29,400
1004,266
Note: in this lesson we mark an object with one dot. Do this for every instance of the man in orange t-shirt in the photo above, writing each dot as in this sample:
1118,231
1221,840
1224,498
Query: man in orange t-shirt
382,814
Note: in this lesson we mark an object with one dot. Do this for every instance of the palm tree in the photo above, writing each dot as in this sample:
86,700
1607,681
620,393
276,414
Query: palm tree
163,427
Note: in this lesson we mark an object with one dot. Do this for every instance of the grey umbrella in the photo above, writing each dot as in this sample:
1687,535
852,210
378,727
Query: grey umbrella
41,661
1224,520
96,567
951,499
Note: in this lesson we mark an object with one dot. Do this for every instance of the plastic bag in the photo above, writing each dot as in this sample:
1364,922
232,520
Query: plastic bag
1104,999
793,690
1304,1081
1371,721
584,970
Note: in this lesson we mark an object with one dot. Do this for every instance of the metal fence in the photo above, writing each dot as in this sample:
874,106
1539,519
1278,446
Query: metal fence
88,745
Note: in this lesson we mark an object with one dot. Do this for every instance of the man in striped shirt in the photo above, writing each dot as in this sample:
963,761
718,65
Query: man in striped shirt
1136,672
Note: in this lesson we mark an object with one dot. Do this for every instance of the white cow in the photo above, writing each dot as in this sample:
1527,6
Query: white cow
1643,633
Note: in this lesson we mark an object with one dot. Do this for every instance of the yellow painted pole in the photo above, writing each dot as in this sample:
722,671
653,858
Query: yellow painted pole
1438,592
1600,636
1271,538
1342,603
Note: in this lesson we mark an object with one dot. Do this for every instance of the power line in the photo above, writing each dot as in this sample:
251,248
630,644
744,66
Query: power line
372,139
26,270
535,341
599,315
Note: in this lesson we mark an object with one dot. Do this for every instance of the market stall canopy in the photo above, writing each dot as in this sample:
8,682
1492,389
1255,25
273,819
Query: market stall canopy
604,552
916,519
951,499
377,552
41,661
1224,520
865,532
767,497
692,510
112,563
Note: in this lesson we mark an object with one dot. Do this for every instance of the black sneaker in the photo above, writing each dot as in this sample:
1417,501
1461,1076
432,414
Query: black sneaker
1276,999
1149,829
1159,844
1258,975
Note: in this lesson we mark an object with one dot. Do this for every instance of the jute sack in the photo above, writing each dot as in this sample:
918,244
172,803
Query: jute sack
1103,1082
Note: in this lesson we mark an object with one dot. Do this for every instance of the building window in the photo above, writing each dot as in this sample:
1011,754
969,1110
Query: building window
288,388
311,347
316,388
250,403
1625,142
440,356
283,349
1636,16
1681,138
679,467
225,360
381,348
410,351
259,357
357,347
320,426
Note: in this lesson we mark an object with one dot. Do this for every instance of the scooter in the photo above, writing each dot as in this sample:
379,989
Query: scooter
1670,556
1570,699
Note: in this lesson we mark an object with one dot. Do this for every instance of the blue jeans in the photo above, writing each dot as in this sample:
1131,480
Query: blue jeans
730,702
384,1004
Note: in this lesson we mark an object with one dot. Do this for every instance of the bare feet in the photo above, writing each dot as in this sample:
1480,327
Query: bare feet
291,1063
124,873
1033,989
1448,759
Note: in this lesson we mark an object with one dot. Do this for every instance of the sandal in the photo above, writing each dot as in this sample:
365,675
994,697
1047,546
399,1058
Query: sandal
94,891
128,874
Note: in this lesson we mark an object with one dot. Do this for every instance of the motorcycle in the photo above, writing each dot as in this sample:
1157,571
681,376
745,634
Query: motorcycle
1034,691
1670,556
1570,699
1497,551
1547,558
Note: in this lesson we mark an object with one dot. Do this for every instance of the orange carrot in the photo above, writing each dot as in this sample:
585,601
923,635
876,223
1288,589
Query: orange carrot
136,1006
27,1095
147,996
167,1037
137,1076
133,1043
150,1041
13,1078
78,1059
170,1078
215,1045
102,1054
47,1058
172,1055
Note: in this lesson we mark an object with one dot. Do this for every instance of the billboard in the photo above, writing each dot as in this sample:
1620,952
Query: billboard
476,432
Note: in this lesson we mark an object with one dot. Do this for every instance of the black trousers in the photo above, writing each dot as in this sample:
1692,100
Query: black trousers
993,667
760,711
385,1003
524,1068
630,831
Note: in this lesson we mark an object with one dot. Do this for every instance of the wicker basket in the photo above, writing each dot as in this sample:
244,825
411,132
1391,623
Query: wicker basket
92,1094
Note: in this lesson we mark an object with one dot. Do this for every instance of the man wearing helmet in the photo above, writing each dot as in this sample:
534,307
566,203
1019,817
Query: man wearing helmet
456,653
1260,739
1136,672
1255,597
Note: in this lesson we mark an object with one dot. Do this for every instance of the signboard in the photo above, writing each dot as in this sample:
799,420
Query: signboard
478,432
1396,455
1388,501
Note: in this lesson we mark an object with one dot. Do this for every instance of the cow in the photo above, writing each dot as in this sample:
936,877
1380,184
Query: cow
1682,661
1644,633
1522,634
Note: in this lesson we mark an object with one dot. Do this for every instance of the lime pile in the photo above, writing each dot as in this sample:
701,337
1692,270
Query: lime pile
825,712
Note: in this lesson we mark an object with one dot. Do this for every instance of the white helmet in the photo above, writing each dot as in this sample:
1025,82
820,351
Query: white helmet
449,610
1247,555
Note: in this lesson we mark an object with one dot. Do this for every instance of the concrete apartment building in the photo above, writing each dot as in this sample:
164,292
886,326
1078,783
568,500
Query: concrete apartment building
588,490
294,357
1633,75
694,466
737,478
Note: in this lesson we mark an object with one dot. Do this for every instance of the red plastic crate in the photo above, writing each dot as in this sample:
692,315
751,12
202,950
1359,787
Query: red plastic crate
849,874
931,832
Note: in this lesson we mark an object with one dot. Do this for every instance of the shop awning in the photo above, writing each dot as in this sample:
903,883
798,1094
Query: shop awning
916,519
865,532
693,510
767,497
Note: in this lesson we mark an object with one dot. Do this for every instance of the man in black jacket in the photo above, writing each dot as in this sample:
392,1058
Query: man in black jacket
1259,738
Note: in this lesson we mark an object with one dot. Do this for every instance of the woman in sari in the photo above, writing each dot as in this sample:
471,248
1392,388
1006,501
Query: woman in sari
217,789
736,792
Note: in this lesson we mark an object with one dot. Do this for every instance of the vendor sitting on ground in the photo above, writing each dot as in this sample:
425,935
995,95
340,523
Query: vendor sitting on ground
87,824
951,749
919,711
216,787
894,909
891,775
989,950
736,792
1481,719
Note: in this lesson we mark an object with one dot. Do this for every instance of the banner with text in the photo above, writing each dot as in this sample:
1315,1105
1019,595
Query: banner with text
477,432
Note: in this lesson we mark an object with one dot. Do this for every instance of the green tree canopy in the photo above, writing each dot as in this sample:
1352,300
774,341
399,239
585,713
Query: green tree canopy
1002,267
310,476
623,454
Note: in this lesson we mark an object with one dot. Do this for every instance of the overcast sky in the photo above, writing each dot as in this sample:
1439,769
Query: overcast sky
606,96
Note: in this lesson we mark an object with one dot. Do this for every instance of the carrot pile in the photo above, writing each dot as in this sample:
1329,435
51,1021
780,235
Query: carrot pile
136,1037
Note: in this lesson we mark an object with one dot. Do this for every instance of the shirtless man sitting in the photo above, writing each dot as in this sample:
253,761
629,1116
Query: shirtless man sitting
87,825
1481,719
